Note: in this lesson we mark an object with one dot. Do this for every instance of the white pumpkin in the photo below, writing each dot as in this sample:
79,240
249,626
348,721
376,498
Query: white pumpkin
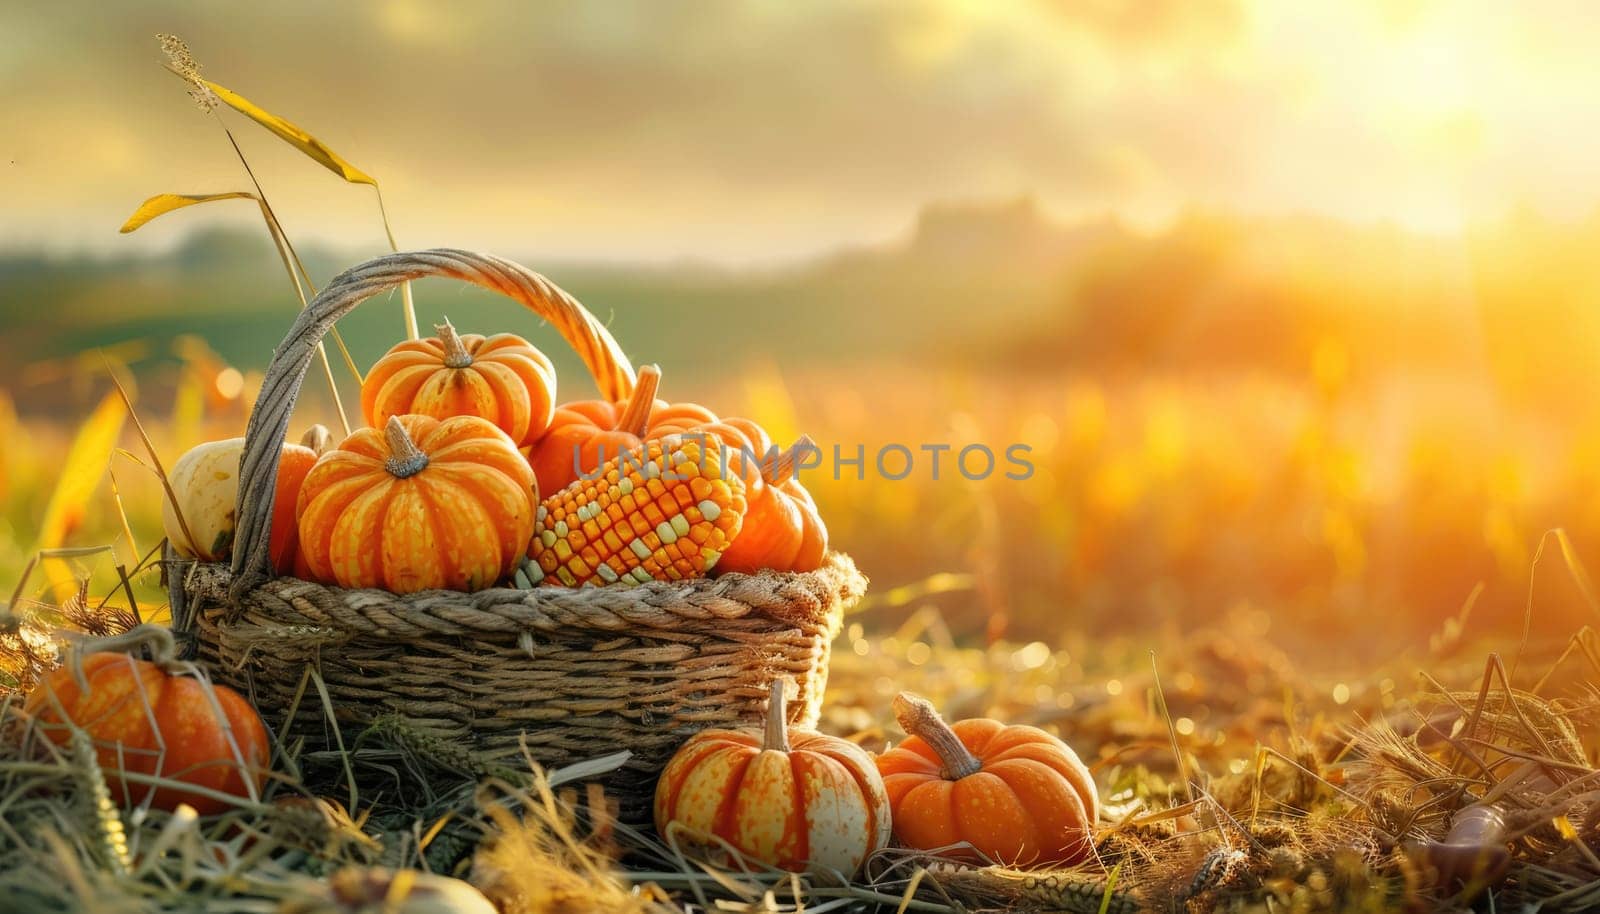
354,890
206,482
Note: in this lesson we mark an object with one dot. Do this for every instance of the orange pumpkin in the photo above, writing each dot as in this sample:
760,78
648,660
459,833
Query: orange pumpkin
782,529
795,800
284,544
1017,794
421,505
502,378
586,433
144,719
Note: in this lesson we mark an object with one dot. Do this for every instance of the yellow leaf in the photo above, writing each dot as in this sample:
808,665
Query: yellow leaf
327,158
292,135
85,466
161,204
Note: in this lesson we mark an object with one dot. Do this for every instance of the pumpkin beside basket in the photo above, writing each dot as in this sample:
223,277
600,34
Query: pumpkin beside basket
570,673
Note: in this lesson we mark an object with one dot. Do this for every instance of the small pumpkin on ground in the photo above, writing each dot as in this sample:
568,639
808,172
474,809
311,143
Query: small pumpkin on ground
421,505
662,513
206,481
796,800
586,433
376,890
1017,794
155,719
502,378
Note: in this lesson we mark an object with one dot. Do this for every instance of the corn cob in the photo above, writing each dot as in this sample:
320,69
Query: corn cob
662,512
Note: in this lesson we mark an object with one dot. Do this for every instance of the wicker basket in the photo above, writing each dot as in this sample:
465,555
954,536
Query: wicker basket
572,673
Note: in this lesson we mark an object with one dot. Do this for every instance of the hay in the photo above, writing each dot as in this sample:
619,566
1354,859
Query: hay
1287,806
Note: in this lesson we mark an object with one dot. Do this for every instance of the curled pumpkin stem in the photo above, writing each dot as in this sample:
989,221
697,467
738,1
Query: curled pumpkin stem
455,351
635,418
918,717
156,640
405,458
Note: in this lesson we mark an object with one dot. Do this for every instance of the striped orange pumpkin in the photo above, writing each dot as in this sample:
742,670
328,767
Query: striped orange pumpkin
502,378
421,505
795,800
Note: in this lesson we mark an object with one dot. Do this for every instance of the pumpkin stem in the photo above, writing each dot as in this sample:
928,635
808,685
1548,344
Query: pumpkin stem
317,438
405,458
156,639
777,734
455,352
635,416
918,717
784,466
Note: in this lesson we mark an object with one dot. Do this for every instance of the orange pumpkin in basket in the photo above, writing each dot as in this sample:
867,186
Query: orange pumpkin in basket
586,433
795,800
298,459
502,378
145,720
421,505
782,529
1017,794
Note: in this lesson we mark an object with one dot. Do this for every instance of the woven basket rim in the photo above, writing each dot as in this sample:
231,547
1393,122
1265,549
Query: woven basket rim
811,597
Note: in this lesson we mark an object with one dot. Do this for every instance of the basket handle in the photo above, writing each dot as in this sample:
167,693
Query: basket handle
269,420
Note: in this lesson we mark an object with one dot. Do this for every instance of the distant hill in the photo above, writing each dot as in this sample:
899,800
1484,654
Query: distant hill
963,274
997,285
1515,302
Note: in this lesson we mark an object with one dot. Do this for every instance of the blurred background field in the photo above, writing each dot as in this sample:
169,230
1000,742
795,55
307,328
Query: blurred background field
1339,433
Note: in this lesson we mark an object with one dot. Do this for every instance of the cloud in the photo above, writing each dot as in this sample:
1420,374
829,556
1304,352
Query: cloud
755,129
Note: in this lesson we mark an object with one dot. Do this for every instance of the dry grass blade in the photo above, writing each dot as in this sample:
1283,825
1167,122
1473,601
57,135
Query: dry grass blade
933,585
536,859
280,242
122,514
1575,569
318,152
155,459
161,204
207,94
1172,730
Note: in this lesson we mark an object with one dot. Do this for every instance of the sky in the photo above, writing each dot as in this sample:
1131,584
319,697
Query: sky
763,131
